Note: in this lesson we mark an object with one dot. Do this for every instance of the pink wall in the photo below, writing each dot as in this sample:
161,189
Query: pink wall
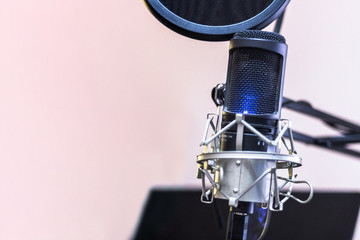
99,102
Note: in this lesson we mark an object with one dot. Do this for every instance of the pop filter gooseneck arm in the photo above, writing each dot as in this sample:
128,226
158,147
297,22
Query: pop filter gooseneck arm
279,22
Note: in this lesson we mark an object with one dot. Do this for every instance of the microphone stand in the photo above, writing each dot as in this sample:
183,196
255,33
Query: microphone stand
349,131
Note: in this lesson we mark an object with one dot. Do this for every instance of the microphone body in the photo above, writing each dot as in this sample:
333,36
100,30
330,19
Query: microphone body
253,93
242,155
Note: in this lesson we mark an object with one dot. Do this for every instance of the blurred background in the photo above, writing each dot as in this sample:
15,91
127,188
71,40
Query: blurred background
99,102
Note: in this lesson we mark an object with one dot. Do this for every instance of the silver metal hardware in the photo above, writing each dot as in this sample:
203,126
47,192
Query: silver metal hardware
235,186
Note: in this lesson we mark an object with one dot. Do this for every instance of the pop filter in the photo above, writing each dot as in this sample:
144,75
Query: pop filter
215,20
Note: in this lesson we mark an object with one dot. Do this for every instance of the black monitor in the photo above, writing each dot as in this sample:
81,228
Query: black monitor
178,214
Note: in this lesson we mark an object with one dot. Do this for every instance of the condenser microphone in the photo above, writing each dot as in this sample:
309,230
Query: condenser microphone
253,92
243,152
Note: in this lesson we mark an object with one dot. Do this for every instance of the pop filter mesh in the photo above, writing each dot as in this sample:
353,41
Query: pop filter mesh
216,12
254,79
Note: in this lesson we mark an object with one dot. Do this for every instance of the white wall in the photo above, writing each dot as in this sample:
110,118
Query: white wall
100,102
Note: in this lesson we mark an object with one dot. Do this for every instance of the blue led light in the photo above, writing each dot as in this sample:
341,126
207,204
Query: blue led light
249,104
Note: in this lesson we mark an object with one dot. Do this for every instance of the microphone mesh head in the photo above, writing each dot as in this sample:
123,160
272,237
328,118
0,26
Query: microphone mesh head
254,78
257,34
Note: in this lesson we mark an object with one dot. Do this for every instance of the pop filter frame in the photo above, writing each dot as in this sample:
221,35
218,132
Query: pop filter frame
214,32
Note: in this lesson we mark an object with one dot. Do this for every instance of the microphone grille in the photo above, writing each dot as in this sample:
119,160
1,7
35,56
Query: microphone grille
254,77
260,35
